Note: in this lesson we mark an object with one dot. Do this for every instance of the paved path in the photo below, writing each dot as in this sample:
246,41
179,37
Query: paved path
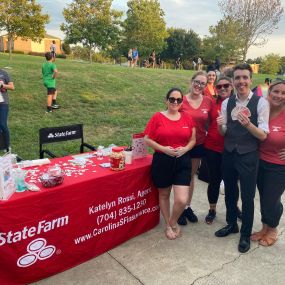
197,258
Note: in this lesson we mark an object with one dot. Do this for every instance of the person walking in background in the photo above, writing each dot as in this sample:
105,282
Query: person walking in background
214,145
198,107
178,63
152,59
210,89
172,135
271,172
53,50
243,122
50,72
135,56
194,64
5,84
130,57
199,62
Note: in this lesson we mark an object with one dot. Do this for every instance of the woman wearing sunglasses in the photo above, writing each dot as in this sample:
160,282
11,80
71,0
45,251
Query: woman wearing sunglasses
271,172
172,135
210,89
198,107
214,145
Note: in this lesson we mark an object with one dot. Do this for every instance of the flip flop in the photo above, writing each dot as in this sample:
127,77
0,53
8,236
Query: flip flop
169,233
177,231
257,236
269,238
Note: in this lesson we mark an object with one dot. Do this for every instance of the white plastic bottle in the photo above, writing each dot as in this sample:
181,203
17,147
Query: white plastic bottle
100,152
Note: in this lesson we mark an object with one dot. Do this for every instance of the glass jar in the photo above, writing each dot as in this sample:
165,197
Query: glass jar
117,159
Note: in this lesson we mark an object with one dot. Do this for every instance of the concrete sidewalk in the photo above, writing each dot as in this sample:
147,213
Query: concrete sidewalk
198,257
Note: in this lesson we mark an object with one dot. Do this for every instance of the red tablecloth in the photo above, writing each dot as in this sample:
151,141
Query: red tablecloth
94,210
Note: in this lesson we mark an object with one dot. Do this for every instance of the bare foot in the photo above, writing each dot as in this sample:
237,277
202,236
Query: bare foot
177,230
269,238
169,233
257,236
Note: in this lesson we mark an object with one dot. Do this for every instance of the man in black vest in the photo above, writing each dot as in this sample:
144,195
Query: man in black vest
244,122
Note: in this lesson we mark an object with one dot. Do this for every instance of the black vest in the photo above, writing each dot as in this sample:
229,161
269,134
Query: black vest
237,137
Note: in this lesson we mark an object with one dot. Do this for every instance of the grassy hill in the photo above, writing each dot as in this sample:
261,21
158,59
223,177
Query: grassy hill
112,102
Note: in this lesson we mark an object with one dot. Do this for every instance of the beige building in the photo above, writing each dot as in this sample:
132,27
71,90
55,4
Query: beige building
28,46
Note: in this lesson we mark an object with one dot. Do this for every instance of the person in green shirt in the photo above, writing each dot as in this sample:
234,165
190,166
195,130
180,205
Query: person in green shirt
49,72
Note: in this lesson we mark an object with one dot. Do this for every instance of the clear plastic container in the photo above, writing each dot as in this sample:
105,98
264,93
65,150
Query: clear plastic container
117,159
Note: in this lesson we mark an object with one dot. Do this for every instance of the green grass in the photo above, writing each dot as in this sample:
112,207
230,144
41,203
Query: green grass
112,102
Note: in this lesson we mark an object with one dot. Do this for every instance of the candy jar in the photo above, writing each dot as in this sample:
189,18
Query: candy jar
117,159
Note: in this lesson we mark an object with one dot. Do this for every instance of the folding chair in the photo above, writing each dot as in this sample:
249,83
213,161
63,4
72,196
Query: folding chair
60,134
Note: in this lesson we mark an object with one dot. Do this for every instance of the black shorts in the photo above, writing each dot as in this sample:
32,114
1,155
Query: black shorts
130,59
51,91
197,151
167,170
53,54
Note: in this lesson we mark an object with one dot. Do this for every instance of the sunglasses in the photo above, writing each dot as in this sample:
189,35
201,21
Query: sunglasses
199,83
173,100
220,86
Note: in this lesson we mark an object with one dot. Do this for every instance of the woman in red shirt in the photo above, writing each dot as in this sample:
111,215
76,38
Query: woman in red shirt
198,107
214,146
210,90
172,135
271,172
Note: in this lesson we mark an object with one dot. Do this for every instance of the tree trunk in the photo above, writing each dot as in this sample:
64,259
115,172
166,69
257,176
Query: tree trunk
90,55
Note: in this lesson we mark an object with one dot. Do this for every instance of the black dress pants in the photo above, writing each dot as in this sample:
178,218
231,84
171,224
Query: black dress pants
271,186
243,167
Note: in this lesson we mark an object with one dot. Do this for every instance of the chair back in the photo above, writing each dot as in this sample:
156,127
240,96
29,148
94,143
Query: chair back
59,134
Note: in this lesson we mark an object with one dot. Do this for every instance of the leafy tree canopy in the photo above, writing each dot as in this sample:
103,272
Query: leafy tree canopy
92,23
270,64
224,42
183,44
22,18
144,26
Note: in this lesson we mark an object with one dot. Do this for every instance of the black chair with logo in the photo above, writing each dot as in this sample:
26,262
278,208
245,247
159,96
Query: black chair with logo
60,134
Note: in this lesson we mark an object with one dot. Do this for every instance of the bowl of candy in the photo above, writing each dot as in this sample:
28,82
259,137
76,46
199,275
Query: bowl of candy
53,177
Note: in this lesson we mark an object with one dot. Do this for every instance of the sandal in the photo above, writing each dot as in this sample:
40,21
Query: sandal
269,238
169,233
257,236
177,231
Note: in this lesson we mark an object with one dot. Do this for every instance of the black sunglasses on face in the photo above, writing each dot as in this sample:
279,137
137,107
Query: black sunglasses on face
220,86
173,100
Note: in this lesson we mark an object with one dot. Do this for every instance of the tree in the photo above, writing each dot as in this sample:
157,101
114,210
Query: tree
91,23
66,47
258,19
182,43
224,42
145,27
22,18
270,64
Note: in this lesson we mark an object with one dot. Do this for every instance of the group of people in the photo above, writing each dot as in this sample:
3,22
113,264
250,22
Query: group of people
241,136
133,56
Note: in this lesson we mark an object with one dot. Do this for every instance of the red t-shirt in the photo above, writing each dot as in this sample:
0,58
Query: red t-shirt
208,93
200,116
275,141
170,133
214,141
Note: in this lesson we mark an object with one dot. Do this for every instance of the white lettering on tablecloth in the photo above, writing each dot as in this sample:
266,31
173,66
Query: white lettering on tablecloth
105,206
28,232
122,200
143,193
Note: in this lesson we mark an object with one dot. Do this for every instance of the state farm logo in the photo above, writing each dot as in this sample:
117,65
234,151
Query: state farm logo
37,250
50,135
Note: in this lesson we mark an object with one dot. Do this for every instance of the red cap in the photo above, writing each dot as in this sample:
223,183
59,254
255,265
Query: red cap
117,149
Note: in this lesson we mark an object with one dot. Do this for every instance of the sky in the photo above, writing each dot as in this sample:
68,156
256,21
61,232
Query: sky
197,15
